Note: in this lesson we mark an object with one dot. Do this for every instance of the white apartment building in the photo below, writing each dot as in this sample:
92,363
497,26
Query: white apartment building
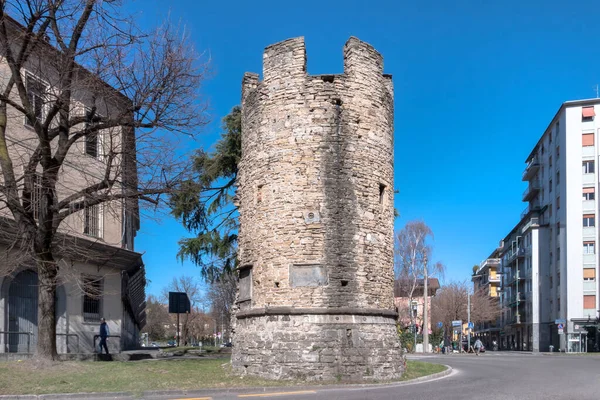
549,260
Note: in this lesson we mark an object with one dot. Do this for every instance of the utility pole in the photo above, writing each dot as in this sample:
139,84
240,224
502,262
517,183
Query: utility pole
425,311
468,321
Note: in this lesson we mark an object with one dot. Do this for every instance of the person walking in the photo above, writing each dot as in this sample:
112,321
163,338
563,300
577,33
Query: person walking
477,346
104,333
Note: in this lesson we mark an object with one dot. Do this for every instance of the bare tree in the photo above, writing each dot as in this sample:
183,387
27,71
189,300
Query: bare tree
451,303
74,71
193,289
222,297
157,319
484,308
412,258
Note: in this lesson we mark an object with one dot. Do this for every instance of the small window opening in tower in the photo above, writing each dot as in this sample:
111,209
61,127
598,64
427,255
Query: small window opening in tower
382,188
328,78
259,194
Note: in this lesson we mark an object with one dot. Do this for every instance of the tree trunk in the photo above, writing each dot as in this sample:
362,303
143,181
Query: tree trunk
47,273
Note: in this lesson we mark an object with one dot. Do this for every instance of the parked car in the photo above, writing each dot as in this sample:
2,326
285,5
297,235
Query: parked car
172,343
153,344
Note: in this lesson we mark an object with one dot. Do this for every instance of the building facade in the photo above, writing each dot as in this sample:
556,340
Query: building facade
487,279
549,260
316,212
100,274
411,308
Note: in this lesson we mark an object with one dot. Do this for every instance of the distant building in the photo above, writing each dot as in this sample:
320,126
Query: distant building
410,310
487,279
549,259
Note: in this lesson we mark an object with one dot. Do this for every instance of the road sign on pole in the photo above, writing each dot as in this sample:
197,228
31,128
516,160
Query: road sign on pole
439,324
471,325
457,323
561,326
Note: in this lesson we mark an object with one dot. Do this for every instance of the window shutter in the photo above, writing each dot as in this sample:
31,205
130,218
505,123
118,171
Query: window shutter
589,273
587,139
589,302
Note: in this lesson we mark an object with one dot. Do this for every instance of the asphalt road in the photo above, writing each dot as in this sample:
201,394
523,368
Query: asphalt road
489,376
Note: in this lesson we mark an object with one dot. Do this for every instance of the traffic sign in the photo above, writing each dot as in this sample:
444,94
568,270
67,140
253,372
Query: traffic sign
560,321
456,323
560,331
561,327
439,324
471,325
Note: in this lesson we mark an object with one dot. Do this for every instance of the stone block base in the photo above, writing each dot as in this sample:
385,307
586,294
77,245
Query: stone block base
318,347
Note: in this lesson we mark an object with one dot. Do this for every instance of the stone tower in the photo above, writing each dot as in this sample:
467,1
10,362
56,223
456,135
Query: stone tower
315,194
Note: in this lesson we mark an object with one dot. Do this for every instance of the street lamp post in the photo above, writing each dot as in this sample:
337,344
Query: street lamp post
425,310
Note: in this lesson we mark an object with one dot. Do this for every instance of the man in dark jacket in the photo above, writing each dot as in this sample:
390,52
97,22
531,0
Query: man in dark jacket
104,332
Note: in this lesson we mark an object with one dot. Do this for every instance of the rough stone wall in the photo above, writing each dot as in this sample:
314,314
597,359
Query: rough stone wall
316,200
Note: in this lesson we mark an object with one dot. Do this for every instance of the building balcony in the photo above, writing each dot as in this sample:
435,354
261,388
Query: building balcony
532,190
532,208
515,278
491,262
494,279
531,169
516,299
520,253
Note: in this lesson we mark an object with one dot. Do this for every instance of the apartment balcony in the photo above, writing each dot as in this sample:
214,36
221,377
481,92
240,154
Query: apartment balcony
515,278
490,262
514,320
515,299
532,190
494,279
520,253
531,169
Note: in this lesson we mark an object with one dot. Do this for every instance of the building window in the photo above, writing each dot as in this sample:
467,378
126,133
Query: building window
550,210
588,167
382,193
587,113
558,303
557,203
550,161
557,228
551,282
587,139
92,298
589,301
557,178
550,186
557,152
589,193
589,220
92,224
558,254
36,195
91,144
259,194
589,247
36,93
589,274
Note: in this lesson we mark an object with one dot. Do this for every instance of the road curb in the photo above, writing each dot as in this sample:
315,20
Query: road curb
209,391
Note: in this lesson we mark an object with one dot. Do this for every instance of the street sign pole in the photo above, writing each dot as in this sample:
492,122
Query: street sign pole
177,329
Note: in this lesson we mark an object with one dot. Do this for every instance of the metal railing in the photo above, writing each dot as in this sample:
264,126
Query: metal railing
67,335
8,344
109,336
533,164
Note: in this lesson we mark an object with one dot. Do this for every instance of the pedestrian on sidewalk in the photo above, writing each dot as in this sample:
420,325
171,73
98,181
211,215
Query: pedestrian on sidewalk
477,346
104,333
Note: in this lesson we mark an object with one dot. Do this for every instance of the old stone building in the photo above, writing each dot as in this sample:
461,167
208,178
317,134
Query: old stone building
316,220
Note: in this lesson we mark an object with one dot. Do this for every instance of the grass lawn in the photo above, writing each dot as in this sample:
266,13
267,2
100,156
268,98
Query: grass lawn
416,369
28,377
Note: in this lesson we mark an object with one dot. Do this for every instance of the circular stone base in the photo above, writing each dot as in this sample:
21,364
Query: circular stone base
317,347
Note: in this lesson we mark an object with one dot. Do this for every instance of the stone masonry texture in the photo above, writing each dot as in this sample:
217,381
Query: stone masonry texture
315,193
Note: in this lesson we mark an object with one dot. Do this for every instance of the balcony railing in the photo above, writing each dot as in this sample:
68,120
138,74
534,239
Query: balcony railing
531,208
517,298
532,167
520,252
490,262
531,191
494,279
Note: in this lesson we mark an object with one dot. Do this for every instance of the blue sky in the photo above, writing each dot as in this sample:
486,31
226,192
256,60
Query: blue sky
475,87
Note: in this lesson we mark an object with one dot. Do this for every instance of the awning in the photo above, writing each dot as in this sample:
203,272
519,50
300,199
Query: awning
587,112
